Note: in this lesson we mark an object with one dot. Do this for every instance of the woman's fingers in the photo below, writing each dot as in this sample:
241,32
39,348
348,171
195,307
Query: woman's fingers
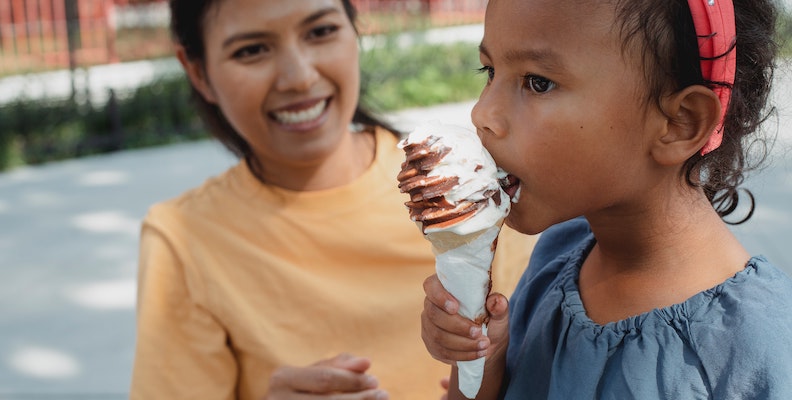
341,376
346,361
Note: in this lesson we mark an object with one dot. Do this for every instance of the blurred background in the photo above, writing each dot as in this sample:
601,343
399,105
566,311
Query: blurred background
95,126
81,77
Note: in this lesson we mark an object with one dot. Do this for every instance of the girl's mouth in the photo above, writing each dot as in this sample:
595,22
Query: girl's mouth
301,116
511,185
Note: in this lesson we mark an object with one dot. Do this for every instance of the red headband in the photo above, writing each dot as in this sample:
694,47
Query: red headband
714,23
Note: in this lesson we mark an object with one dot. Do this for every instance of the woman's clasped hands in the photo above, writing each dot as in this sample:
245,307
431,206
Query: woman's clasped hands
342,377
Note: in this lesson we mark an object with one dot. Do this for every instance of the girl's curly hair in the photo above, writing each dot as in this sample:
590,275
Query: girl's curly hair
664,31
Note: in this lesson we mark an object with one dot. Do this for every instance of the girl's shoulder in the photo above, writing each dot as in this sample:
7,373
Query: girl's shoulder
756,302
743,329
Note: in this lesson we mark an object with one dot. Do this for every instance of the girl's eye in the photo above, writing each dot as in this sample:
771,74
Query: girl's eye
250,51
323,31
537,84
489,71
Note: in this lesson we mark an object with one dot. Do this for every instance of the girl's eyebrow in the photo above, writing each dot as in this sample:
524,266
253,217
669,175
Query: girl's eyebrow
319,14
546,58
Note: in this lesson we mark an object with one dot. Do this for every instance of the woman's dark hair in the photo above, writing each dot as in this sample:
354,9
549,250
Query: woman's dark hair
187,20
665,33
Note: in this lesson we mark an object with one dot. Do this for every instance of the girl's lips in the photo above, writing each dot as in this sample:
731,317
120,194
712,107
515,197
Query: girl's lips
511,185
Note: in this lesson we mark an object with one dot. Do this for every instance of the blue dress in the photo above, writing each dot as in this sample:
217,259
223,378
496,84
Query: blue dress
733,341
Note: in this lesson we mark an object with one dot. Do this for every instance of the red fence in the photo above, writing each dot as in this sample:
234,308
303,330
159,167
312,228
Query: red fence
55,33
48,34
381,15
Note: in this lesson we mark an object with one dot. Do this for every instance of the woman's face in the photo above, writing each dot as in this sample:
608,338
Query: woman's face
285,74
563,111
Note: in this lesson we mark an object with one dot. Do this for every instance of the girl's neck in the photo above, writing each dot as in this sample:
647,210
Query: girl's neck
658,258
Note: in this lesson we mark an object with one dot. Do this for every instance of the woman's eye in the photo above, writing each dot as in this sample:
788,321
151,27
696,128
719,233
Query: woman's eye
537,84
323,31
250,51
489,71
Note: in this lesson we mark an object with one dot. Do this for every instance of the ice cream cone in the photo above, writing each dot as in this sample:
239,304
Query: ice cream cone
457,201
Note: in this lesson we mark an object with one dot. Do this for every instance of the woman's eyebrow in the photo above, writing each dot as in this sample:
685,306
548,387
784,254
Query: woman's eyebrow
319,14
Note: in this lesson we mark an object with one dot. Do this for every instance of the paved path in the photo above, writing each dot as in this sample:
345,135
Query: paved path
68,249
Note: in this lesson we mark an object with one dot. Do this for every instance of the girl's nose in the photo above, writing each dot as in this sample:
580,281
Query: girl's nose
487,115
297,72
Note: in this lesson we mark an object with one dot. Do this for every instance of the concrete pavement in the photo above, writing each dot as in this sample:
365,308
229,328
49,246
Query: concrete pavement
68,250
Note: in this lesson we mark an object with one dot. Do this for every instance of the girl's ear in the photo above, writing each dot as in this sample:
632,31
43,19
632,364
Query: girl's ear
197,74
693,113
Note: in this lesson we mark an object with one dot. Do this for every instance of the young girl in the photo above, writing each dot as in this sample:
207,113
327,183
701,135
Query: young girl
633,115
258,284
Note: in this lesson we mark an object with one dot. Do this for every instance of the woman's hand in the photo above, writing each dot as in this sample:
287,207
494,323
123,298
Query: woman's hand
342,377
449,337
445,383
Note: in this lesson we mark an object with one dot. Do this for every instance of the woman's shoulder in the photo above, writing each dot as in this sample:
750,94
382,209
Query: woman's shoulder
202,199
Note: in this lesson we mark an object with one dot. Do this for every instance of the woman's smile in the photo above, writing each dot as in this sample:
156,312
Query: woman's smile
302,115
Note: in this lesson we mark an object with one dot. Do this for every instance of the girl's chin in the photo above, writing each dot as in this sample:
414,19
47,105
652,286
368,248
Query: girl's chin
517,221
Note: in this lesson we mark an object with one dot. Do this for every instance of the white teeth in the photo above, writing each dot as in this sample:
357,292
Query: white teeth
516,197
298,117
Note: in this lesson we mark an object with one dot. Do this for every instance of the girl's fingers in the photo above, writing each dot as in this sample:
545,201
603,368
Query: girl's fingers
450,338
437,295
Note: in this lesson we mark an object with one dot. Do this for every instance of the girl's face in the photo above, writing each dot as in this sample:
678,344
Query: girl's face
285,74
563,110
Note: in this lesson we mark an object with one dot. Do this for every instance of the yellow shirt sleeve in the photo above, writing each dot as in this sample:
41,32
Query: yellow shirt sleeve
181,350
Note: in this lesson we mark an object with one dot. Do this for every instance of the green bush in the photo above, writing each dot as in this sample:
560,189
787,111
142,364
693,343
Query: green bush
785,34
33,132
395,78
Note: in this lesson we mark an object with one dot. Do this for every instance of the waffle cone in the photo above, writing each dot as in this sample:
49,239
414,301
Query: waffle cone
463,265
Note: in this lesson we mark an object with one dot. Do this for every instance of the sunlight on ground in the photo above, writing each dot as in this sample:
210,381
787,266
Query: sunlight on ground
109,295
103,178
41,198
107,222
42,362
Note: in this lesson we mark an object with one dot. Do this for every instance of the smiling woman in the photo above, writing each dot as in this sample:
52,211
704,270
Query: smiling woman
287,83
296,271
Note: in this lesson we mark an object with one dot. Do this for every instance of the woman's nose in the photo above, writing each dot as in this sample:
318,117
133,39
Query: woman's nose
297,71
487,115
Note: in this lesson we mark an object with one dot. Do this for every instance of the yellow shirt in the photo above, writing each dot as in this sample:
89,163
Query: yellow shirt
237,278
